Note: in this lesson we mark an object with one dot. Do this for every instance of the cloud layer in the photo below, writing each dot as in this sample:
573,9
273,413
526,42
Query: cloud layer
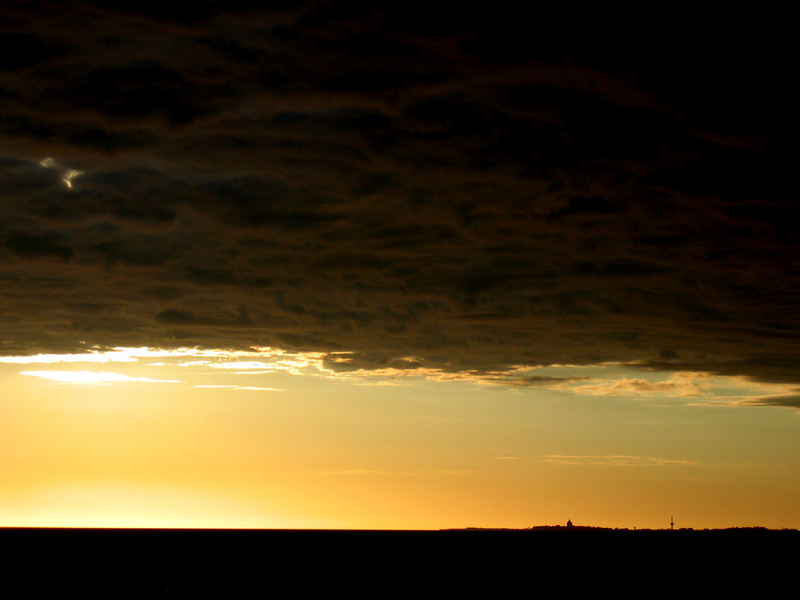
456,191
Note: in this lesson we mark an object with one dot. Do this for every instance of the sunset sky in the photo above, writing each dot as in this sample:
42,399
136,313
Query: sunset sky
356,266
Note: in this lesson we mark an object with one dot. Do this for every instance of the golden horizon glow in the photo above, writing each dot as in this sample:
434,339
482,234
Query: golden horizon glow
162,441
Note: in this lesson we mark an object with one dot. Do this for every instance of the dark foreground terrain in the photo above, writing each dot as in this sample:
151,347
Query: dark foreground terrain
113,563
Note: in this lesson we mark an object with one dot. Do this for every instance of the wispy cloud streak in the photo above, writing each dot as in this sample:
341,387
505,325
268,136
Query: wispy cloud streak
612,460
93,377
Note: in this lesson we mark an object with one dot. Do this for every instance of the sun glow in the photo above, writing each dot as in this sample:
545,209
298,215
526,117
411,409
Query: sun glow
135,505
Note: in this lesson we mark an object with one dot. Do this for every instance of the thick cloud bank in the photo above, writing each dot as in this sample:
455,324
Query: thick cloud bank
461,190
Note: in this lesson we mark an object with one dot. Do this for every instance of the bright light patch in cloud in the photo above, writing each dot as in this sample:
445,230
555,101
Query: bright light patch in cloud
67,175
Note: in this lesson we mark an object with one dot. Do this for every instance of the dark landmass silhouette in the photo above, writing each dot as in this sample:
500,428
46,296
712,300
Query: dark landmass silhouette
571,528
149,563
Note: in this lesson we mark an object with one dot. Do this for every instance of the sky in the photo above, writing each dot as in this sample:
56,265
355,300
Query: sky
357,266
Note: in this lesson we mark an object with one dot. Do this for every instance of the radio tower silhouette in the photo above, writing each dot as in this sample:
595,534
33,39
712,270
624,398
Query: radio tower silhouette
671,523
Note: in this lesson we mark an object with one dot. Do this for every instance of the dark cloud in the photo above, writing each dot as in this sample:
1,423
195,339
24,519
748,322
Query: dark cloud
537,381
455,187
790,401
47,244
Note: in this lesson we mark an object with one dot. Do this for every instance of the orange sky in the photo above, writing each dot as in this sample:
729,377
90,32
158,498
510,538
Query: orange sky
275,440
